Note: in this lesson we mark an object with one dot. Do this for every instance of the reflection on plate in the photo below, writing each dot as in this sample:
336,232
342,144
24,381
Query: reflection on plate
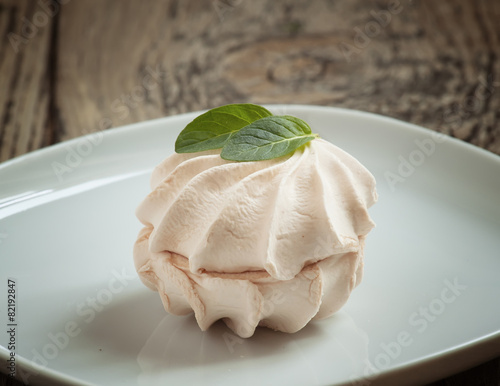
67,227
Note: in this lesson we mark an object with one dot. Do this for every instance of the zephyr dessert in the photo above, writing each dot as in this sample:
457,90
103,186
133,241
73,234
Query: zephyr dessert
272,243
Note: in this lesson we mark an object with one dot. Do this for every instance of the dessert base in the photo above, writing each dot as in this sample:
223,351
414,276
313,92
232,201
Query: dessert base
253,298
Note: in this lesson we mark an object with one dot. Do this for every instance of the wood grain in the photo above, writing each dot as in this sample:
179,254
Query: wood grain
24,81
97,64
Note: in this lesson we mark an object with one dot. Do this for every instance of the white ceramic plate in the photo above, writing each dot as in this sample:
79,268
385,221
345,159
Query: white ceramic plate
427,307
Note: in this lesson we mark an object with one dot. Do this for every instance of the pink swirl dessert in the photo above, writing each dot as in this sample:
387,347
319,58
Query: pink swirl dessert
271,243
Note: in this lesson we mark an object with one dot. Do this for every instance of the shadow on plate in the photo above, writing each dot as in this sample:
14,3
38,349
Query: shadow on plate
164,345
139,323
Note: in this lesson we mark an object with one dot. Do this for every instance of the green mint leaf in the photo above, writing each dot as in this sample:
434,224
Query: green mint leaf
267,138
212,129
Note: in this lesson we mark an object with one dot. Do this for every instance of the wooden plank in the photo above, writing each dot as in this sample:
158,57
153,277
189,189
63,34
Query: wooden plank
111,58
24,80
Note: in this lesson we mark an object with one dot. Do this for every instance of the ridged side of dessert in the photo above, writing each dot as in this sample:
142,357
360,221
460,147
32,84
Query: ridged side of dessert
249,299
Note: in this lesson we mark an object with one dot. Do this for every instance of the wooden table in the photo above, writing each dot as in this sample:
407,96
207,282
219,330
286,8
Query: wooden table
81,66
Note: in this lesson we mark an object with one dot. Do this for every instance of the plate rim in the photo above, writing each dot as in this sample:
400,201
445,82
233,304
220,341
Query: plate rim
113,131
